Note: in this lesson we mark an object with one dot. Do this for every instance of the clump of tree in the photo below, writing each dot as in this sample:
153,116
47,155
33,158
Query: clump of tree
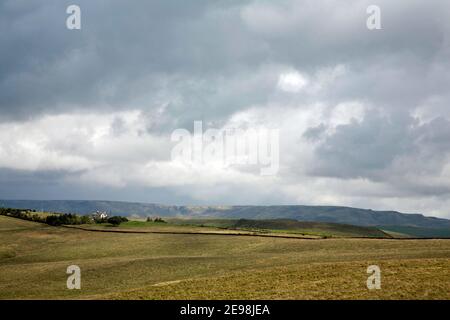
100,220
157,219
67,219
116,220
58,219
55,219
24,214
37,218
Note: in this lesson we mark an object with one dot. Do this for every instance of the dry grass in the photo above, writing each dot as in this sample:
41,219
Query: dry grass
34,258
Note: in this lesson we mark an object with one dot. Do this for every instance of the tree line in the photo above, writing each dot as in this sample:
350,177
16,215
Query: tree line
57,219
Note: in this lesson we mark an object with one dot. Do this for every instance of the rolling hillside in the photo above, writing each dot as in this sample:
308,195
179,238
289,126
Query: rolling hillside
289,226
195,266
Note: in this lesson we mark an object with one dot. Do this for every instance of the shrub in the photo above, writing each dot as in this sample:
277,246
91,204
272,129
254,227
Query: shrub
67,218
157,219
85,220
116,220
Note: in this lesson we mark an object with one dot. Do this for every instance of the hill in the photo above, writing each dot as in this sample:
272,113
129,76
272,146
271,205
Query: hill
194,266
333,214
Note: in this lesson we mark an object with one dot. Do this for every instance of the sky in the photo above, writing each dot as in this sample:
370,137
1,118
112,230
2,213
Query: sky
362,115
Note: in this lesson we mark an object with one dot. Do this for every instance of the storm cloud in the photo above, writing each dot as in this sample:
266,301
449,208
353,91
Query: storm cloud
363,114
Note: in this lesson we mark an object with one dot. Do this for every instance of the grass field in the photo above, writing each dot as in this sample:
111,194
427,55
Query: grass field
276,227
34,258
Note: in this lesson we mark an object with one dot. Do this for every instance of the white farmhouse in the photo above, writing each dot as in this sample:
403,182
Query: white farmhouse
99,215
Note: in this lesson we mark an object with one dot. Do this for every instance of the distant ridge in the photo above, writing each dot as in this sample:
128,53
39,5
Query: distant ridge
335,214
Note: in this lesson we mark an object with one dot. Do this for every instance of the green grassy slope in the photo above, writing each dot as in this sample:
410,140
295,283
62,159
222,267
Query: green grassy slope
275,227
418,232
289,226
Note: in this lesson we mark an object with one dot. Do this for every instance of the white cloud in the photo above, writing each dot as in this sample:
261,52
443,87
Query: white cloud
75,142
292,81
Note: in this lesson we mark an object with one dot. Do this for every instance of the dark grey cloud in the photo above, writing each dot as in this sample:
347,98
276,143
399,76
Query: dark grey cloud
395,149
127,54
21,185
188,54
360,149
